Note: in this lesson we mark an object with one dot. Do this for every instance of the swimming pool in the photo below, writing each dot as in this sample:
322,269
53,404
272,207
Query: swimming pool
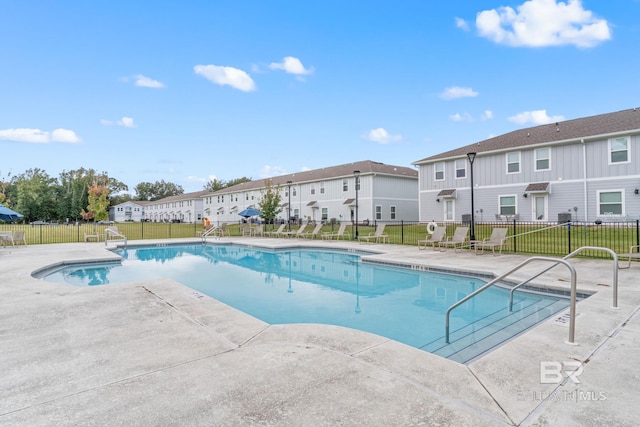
329,287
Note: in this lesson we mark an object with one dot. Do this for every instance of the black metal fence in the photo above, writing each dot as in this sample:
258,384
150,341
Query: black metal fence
523,237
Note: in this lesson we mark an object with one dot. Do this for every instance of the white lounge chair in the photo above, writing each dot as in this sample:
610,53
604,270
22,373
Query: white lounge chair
631,255
311,234
377,236
496,240
276,233
457,241
295,233
340,234
439,234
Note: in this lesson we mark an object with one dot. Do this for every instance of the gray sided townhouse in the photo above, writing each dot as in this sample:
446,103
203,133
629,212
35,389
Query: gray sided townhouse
587,169
385,193
182,207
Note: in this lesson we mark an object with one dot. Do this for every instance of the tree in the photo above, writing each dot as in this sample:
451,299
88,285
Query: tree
270,200
237,181
158,190
98,202
36,200
216,184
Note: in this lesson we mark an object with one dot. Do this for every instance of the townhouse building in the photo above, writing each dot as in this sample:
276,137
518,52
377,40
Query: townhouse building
383,193
586,169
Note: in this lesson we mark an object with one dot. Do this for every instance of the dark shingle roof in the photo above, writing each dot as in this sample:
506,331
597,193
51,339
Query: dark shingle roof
365,167
576,129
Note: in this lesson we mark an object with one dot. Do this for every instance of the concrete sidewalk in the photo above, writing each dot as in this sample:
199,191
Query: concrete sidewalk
158,353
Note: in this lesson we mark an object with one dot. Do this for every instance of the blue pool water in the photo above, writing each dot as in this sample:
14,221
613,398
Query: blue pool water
327,287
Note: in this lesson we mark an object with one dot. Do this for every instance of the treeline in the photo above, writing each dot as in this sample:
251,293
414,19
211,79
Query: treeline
81,193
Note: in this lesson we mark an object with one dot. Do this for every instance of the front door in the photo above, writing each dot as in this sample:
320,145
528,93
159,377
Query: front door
540,208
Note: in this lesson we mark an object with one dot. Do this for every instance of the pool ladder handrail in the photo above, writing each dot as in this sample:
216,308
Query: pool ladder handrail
556,261
212,230
110,231
571,255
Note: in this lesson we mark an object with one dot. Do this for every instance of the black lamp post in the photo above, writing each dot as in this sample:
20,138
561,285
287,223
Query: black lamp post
472,157
356,174
289,205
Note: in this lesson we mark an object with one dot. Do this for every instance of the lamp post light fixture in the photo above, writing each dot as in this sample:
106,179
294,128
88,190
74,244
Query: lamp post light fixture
472,157
356,174
289,205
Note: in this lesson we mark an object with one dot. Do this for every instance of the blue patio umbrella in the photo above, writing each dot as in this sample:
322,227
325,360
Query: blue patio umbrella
8,215
249,212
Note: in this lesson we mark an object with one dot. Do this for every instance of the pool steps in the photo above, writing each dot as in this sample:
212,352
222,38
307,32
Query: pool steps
473,340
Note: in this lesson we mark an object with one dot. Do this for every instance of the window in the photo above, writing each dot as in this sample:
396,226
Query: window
543,159
296,212
313,189
322,188
610,203
507,205
293,191
392,214
438,171
345,185
461,168
378,212
325,214
619,150
513,162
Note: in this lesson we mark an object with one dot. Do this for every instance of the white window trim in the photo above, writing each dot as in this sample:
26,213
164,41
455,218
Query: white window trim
456,168
535,159
622,202
393,212
506,158
435,171
378,211
628,138
515,198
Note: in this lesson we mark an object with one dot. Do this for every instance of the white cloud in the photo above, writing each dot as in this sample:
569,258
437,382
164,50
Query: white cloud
455,92
381,136
462,24
487,115
537,117
291,65
126,122
144,81
538,23
38,136
271,171
464,117
229,76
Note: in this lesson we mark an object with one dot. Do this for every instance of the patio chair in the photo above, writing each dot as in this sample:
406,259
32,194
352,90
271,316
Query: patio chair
496,240
457,241
311,234
340,234
17,237
377,236
439,234
257,230
276,233
631,255
295,233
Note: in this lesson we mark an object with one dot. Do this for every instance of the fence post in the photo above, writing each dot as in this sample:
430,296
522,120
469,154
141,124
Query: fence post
569,237
402,231
515,240
637,232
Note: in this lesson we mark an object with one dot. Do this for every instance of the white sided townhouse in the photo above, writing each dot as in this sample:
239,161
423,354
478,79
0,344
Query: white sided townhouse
587,169
385,193
180,208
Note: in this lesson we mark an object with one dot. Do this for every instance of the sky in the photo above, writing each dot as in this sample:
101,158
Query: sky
191,91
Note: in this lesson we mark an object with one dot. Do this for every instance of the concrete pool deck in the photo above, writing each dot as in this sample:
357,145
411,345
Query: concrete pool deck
158,353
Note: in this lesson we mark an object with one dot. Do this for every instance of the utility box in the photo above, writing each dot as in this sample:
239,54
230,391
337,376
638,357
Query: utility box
466,219
564,217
